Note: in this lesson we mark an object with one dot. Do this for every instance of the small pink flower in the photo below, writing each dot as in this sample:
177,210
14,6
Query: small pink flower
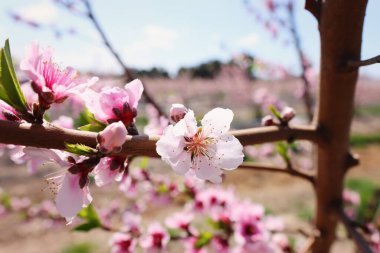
177,112
156,239
70,197
109,169
287,114
180,220
351,197
112,138
115,104
122,243
156,123
52,84
206,150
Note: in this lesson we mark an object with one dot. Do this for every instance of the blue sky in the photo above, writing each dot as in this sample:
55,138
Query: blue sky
168,33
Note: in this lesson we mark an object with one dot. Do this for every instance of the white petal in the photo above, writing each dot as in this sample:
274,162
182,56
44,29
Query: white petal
169,145
186,126
182,163
217,122
207,169
229,152
69,199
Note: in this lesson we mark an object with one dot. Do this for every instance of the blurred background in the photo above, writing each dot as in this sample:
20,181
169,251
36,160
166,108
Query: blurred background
243,55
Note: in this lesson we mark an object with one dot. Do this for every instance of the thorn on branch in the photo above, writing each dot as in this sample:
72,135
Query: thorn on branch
352,160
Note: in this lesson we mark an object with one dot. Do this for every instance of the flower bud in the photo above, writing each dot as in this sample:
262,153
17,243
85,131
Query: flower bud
287,114
177,112
112,137
267,121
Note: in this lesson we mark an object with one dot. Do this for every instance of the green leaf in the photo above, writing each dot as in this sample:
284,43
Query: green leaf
85,227
92,128
275,112
80,149
282,149
87,122
203,239
91,217
88,213
10,90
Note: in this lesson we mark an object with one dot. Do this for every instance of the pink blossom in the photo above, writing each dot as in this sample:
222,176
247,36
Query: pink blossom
180,220
190,246
112,138
287,114
109,169
206,150
351,197
156,239
156,123
70,197
50,82
177,112
131,223
7,112
122,243
115,104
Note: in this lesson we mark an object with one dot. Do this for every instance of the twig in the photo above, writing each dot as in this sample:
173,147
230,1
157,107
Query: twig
356,236
361,63
289,170
128,74
53,137
307,246
308,100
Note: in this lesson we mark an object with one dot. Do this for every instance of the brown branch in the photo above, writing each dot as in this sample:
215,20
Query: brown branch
261,135
53,137
288,170
356,64
128,74
359,240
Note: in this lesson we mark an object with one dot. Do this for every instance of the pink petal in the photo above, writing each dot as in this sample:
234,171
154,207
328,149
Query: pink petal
217,122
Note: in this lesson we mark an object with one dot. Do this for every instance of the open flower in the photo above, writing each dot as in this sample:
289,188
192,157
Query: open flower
156,239
115,104
49,81
206,150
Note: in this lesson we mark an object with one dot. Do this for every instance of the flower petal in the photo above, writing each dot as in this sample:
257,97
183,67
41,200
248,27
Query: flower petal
135,90
186,126
71,198
229,152
217,122
207,169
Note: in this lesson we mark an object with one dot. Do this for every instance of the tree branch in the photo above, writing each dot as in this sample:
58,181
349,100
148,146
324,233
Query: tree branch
356,236
53,137
291,171
128,74
356,64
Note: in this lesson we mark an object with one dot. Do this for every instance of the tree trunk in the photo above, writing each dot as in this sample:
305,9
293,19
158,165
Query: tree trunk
341,26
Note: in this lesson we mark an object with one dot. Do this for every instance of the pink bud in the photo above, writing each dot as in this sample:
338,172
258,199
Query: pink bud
267,121
177,112
287,114
112,137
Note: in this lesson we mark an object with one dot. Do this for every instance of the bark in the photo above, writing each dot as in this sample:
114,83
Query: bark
341,26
